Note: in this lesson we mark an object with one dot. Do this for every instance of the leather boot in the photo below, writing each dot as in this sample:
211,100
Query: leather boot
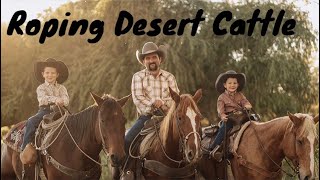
29,154
216,154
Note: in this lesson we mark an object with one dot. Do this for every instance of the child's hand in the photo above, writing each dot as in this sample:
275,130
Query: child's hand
224,118
59,102
248,106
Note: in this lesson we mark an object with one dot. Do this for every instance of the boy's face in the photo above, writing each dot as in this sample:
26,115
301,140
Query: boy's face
152,61
50,74
231,84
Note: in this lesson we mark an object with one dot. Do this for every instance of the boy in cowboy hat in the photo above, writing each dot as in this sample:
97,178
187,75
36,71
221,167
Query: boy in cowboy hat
150,87
51,73
229,85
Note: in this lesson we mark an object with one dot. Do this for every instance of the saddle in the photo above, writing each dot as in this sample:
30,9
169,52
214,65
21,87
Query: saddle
209,133
140,146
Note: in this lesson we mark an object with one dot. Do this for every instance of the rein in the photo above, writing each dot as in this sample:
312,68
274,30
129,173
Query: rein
59,166
295,170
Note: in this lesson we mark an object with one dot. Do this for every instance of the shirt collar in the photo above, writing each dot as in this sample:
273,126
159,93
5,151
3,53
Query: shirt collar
48,84
230,93
148,72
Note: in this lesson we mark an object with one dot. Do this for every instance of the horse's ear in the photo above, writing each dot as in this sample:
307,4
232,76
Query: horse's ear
296,121
96,98
174,96
197,96
316,119
123,100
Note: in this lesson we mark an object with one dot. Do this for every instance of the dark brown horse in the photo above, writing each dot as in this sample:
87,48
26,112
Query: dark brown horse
98,127
264,146
177,143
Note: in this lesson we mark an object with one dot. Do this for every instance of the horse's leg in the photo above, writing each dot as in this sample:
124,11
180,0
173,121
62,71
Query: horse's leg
7,170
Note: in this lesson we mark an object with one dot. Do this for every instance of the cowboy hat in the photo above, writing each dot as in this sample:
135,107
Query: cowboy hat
62,69
222,78
149,48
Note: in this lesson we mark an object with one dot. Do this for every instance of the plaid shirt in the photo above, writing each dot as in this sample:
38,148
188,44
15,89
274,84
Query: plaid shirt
229,102
146,89
48,93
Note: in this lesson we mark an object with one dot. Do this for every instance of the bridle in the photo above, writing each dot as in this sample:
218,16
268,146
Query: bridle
295,169
182,141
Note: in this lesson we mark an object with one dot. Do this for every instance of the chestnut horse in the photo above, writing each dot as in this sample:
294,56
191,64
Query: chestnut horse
98,127
264,146
177,143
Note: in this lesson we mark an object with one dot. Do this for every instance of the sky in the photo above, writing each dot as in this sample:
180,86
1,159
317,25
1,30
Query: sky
33,7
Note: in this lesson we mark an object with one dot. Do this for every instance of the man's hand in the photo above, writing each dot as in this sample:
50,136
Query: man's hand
158,103
164,108
59,102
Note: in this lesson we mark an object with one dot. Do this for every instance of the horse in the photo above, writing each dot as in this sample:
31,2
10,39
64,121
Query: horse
75,152
264,145
177,142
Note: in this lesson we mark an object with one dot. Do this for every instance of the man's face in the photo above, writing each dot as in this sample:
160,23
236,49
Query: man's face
152,61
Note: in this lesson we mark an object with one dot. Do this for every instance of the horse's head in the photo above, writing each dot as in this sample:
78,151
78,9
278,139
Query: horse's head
187,124
110,126
302,140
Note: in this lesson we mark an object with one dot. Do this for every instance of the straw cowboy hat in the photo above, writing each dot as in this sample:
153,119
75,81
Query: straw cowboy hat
222,78
149,48
50,62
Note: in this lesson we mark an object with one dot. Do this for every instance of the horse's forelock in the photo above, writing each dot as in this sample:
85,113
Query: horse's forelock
308,127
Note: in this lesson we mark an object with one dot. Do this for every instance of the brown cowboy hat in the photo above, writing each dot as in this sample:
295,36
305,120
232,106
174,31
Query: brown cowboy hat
222,78
51,62
149,48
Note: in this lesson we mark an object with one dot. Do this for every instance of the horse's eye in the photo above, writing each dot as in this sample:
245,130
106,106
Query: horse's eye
300,142
179,118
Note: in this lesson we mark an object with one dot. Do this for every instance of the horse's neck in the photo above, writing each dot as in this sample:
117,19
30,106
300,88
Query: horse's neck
82,130
272,135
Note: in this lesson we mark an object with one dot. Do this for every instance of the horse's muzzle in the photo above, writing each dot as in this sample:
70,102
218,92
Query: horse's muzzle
116,161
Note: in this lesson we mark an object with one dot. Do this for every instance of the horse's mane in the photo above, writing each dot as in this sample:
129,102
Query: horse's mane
81,122
307,127
185,101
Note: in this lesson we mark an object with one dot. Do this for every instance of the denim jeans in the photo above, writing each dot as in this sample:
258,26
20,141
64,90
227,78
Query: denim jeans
134,131
32,125
220,136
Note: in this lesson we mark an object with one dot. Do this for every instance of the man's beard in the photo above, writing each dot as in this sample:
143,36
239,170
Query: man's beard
153,67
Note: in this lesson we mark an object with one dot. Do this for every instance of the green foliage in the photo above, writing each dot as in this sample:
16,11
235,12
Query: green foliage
277,67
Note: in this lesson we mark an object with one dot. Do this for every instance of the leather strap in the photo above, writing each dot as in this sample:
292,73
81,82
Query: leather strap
165,171
76,174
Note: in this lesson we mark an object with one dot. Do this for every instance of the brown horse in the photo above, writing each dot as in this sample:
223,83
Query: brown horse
98,127
177,143
263,147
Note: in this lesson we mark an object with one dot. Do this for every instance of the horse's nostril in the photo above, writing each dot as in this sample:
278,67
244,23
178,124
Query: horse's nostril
113,158
306,178
190,155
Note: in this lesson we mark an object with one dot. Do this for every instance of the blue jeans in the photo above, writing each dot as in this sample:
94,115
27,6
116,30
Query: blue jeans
32,125
220,136
134,131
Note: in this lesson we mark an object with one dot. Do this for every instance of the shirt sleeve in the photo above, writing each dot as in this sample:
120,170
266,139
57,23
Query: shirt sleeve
43,98
220,107
64,95
174,86
244,101
139,99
